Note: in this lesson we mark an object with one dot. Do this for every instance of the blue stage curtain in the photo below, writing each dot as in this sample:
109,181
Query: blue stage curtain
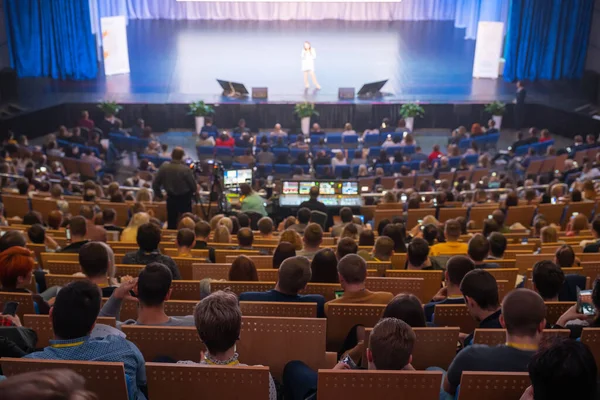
51,38
547,39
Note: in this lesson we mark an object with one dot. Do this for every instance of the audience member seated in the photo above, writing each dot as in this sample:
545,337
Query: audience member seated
283,251
302,220
292,237
523,316
265,228
313,203
148,239
548,279
218,319
366,238
204,140
456,269
382,250
479,250
97,262
73,317
252,201
352,273
498,244
93,231
324,267
595,229
294,275
397,233
452,232
78,229
430,234
347,218
312,239
37,234
390,348
185,242
243,269
565,257
265,156
224,140
109,218
480,290
345,246
418,256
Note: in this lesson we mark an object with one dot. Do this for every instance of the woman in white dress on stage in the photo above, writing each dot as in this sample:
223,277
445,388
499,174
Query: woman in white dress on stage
308,64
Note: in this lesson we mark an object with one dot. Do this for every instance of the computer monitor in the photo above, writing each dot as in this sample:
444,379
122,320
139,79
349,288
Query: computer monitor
290,187
326,188
234,178
350,188
305,187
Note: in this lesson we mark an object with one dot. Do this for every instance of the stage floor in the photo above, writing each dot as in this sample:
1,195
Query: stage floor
178,62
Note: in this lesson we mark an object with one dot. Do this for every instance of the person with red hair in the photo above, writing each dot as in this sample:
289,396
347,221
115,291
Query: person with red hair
476,130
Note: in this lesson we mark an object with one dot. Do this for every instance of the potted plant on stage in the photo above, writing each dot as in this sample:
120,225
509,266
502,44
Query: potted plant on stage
409,111
200,110
497,109
110,109
304,111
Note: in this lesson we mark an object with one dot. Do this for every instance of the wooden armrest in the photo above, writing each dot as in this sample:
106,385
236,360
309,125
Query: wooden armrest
330,359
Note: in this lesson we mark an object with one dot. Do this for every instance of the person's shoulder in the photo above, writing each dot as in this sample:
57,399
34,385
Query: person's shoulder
255,296
309,298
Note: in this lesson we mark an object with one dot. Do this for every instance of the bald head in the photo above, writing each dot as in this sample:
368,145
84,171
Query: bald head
523,313
294,274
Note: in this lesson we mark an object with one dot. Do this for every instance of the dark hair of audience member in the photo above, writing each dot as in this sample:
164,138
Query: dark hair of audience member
218,320
78,226
93,259
346,246
294,274
324,267
148,237
395,232
478,247
366,238
283,251
408,308
235,225
381,225
391,344
32,217
52,384
498,244
565,256
417,252
36,233
430,234
303,215
457,267
548,279
75,310
185,237
489,226
463,225
245,237
12,238
244,220
154,283
243,269
481,286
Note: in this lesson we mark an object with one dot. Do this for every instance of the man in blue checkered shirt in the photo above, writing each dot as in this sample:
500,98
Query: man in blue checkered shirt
73,317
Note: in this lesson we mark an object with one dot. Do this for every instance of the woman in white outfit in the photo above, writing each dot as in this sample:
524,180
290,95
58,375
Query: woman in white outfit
308,64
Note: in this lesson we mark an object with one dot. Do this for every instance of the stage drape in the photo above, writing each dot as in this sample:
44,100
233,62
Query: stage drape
51,38
547,39
465,13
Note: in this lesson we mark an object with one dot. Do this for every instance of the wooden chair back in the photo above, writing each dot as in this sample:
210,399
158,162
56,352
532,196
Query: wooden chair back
446,213
132,270
44,257
185,290
399,260
493,385
505,274
43,206
15,205
24,299
185,266
180,343
221,254
105,379
327,290
480,214
432,280
496,337
342,317
268,275
417,214
209,270
503,288
261,262
278,309
383,214
239,287
380,266
61,280
42,325
454,315
591,337
520,214
61,267
506,263
552,212
554,309
396,285
165,381
200,254
383,385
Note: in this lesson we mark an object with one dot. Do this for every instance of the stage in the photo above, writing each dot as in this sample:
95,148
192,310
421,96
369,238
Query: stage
176,62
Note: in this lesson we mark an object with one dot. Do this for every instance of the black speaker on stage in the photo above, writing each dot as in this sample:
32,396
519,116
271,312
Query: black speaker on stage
8,85
590,82
346,93
260,93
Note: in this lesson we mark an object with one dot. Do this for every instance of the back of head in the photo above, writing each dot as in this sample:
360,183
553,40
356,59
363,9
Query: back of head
55,219
482,288
109,215
314,192
346,246
154,283
86,212
396,233
245,237
15,262
498,244
548,234
294,274
417,252
452,230
54,384
243,269
457,267
391,344
177,154
384,248
78,226
36,233
565,256
75,310
408,308
430,234
499,217
202,230
218,319
346,215
148,237
93,259
303,215
265,225
186,222
479,248
596,226
313,235
243,220
366,238
523,310
352,269
283,251
185,237
324,267
565,370
548,279
11,239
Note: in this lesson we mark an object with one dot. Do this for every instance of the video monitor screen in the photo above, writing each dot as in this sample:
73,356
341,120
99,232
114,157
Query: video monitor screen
236,177
290,187
305,187
326,188
350,188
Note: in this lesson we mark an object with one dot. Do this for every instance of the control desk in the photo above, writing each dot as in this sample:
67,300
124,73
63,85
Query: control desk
332,193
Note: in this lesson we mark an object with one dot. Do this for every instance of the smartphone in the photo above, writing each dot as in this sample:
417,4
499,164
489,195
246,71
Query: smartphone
422,198
554,200
524,240
574,214
584,302
362,218
338,293
420,221
349,362
68,234
437,181
10,308
490,216
403,197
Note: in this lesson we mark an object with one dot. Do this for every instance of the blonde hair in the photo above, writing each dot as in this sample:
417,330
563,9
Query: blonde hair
139,219
348,126
186,222
214,221
579,223
222,235
227,223
143,195
292,237
549,234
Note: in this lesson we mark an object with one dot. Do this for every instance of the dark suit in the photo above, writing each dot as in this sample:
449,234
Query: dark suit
592,247
520,108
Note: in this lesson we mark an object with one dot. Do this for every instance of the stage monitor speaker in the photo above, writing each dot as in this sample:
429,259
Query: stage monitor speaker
260,93
346,93
589,85
8,84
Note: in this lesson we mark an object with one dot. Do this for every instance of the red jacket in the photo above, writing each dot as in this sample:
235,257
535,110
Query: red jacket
225,143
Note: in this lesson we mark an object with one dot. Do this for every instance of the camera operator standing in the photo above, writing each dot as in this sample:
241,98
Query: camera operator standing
179,182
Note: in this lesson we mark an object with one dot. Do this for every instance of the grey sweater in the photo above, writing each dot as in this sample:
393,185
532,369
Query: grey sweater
112,308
